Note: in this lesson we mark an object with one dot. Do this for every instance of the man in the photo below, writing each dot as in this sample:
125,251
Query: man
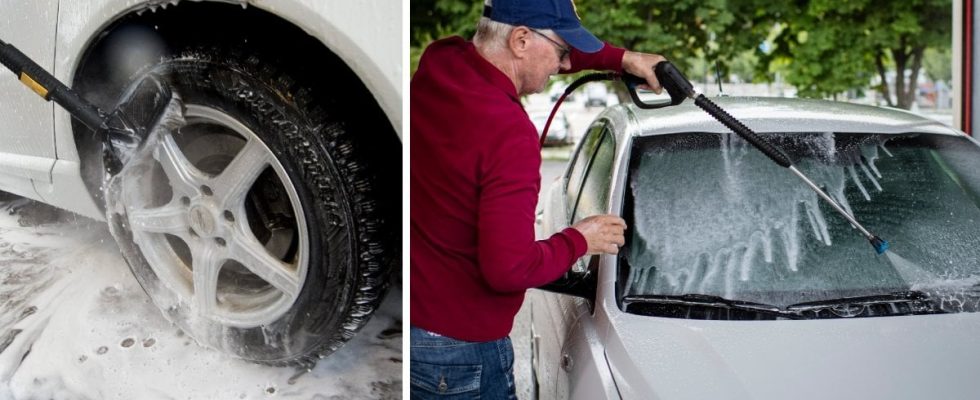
475,176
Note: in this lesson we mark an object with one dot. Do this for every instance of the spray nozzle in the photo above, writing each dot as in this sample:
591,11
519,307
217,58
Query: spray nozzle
880,245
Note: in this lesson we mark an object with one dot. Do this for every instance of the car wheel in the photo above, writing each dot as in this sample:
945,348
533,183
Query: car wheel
253,225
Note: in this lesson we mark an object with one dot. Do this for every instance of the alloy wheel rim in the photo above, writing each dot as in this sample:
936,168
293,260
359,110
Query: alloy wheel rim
209,239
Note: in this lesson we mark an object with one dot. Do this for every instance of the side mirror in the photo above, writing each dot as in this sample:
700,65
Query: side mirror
577,283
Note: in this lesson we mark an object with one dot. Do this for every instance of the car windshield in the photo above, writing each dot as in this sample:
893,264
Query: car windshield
711,215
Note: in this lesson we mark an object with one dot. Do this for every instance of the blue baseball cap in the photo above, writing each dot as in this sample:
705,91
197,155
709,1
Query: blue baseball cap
557,15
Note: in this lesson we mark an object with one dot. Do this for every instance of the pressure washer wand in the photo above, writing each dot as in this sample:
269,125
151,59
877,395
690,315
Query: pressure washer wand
120,135
48,87
678,87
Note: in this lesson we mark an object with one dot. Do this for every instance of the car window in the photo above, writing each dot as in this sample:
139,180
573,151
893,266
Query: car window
711,215
593,197
580,162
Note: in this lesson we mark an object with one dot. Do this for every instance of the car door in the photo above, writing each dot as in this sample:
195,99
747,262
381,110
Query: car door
581,354
555,315
27,151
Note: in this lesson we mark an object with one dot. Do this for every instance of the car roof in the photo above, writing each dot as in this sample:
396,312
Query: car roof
773,114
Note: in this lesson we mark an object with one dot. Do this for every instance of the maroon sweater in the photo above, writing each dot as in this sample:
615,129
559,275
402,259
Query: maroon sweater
475,176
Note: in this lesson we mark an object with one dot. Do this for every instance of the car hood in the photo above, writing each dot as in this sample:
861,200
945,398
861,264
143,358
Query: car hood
900,357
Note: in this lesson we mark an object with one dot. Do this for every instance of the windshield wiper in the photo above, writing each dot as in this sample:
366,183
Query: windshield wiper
703,306
906,302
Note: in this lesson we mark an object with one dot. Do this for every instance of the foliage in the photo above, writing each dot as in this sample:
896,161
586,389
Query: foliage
670,27
434,19
937,63
831,46
823,47
744,64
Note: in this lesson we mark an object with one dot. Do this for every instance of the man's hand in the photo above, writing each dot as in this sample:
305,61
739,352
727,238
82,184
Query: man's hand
604,233
641,65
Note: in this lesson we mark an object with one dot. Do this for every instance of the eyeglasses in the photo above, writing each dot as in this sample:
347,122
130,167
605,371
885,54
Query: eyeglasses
563,51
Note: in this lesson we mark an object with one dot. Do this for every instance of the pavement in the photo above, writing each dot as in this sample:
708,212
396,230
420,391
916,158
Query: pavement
75,324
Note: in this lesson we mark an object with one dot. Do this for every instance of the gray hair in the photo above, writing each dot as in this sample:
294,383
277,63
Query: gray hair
491,36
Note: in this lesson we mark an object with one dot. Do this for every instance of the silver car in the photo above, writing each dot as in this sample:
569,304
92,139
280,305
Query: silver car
558,132
265,224
737,282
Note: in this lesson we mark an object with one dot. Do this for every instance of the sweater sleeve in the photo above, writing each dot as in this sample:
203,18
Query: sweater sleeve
509,257
609,58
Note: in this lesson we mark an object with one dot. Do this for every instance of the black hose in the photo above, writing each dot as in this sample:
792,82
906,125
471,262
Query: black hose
598,76
593,77
773,152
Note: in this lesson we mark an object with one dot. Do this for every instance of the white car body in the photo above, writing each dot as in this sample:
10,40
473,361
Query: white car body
38,155
594,350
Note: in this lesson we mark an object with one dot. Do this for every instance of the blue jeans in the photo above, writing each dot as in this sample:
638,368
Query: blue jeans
446,368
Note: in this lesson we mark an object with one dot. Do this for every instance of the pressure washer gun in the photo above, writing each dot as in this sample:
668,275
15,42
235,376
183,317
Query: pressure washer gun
679,88
121,131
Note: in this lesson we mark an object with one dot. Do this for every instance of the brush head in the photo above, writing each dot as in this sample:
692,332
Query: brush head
880,245
144,105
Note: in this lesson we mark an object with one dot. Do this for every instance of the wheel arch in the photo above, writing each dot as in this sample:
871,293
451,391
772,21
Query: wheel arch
305,31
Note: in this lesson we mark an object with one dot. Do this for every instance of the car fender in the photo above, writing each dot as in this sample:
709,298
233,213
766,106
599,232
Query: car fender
350,32
584,370
26,140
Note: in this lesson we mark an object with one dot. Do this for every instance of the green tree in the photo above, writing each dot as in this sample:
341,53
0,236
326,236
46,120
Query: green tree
674,28
822,47
937,63
435,19
744,64
832,46
684,31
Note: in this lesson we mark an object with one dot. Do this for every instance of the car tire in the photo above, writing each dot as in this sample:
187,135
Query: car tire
282,266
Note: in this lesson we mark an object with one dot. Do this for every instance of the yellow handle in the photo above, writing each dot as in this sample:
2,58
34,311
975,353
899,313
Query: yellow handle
36,87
